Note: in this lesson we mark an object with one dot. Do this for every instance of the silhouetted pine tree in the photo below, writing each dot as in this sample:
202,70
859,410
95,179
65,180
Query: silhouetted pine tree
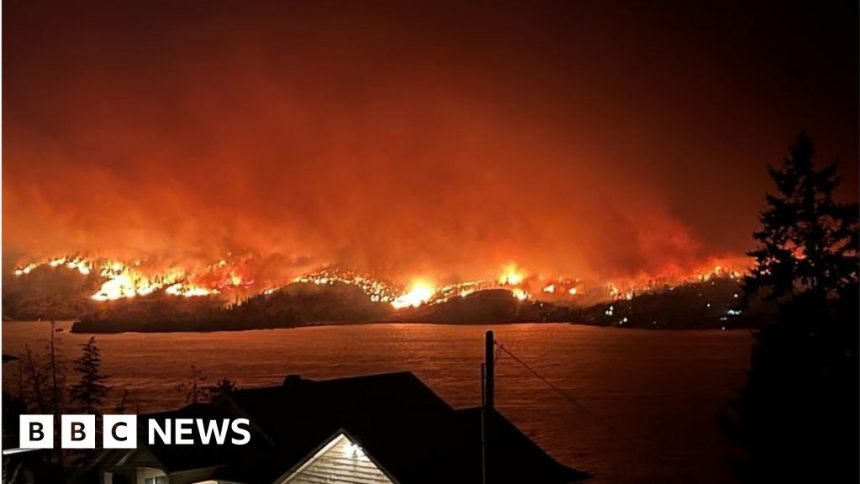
798,414
90,389
808,241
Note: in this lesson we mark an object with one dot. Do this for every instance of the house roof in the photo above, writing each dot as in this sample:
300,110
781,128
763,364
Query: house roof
512,456
338,454
399,421
183,457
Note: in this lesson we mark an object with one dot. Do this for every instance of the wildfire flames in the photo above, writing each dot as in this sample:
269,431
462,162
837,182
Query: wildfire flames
511,276
128,280
419,292
79,264
124,281
378,291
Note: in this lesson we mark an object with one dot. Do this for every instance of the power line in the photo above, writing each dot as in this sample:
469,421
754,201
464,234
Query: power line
564,396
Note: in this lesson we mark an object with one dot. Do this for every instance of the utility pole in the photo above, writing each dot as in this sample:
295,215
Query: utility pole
483,427
490,363
487,399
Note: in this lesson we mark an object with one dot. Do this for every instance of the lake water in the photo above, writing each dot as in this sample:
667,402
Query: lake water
651,396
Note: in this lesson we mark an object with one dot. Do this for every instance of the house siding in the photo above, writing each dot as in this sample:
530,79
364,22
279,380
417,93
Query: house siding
339,463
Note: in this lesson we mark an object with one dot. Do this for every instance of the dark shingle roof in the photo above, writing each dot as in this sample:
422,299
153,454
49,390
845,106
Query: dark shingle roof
399,421
183,457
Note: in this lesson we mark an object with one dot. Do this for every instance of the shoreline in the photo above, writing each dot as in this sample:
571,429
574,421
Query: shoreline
119,329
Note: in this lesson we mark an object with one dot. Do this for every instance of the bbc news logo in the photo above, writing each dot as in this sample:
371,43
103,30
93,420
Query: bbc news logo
120,431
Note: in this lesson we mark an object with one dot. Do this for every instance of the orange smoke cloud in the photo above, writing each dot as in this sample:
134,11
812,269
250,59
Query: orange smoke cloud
403,142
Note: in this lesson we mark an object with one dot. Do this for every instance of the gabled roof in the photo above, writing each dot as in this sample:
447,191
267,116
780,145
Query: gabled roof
175,458
300,405
511,455
338,454
411,432
381,411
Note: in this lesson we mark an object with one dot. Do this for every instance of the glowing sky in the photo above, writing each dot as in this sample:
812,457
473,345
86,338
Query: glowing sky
570,137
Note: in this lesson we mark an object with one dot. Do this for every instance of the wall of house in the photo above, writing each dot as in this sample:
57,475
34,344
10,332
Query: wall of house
339,461
144,473
137,475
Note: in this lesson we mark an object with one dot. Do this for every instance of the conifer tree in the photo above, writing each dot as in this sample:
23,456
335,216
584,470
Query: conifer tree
90,389
797,415
808,242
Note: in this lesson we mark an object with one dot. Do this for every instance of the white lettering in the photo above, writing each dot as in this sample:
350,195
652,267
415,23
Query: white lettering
237,428
164,433
184,427
207,431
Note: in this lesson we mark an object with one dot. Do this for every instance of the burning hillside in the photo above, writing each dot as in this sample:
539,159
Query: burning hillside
127,280
97,285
